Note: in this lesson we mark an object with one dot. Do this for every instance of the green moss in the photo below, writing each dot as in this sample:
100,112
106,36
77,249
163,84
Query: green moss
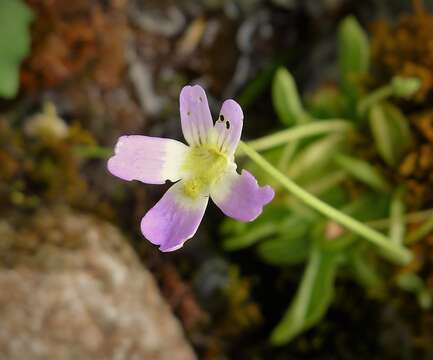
39,169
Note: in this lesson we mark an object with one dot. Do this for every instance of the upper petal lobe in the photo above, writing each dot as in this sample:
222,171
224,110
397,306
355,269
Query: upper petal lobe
239,196
228,127
195,115
174,219
151,160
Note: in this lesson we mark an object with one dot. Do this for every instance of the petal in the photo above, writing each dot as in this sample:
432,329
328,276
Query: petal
174,219
239,196
228,127
151,160
195,115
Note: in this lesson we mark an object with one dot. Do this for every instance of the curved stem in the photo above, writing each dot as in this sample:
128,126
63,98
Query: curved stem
394,251
298,132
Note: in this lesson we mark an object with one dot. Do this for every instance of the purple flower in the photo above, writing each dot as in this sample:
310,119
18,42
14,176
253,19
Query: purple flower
204,168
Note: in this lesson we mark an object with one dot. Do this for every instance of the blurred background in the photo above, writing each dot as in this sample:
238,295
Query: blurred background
77,278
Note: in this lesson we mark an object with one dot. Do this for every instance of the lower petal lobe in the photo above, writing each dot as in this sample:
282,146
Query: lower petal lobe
239,196
174,219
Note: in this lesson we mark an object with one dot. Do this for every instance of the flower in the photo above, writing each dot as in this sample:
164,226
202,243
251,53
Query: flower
204,169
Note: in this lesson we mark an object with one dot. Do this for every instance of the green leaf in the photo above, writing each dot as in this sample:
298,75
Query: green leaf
230,226
390,131
15,19
362,171
327,186
397,227
286,99
314,157
340,243
268,224
401,128
405,87
335,196
353,54
284,250
413,283
250,237
327,102
368,207
365,271
291,247
410,282
313,297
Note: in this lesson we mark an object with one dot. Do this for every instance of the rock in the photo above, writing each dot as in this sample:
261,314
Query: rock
72,288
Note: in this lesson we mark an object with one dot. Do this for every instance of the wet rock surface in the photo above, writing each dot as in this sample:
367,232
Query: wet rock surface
72,288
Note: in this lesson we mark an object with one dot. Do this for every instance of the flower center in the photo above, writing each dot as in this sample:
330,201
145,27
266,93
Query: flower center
205,164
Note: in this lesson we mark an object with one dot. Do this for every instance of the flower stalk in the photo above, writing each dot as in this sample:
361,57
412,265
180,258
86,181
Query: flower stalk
298,132
393,251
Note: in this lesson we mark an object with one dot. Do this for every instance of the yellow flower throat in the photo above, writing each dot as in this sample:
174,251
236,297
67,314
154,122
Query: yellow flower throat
204,164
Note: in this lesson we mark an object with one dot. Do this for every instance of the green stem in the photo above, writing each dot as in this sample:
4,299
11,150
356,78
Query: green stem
380,94
299,132
394,251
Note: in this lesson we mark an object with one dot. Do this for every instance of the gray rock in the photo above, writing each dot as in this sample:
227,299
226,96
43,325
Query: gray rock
72,288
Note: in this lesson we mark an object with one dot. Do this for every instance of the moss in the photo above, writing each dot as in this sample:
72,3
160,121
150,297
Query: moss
42,169
406,49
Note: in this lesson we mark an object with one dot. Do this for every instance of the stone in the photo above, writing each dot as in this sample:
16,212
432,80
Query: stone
73,288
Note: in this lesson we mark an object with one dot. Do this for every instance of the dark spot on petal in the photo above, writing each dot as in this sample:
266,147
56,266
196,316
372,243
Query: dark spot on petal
188,113
200,98
228,125
222,117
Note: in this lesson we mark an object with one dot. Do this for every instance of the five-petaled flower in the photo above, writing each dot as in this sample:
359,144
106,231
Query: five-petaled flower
204,168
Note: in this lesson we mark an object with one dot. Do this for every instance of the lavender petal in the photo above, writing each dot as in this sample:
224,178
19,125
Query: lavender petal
195,115
174,219
228,127
239,196
151,160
